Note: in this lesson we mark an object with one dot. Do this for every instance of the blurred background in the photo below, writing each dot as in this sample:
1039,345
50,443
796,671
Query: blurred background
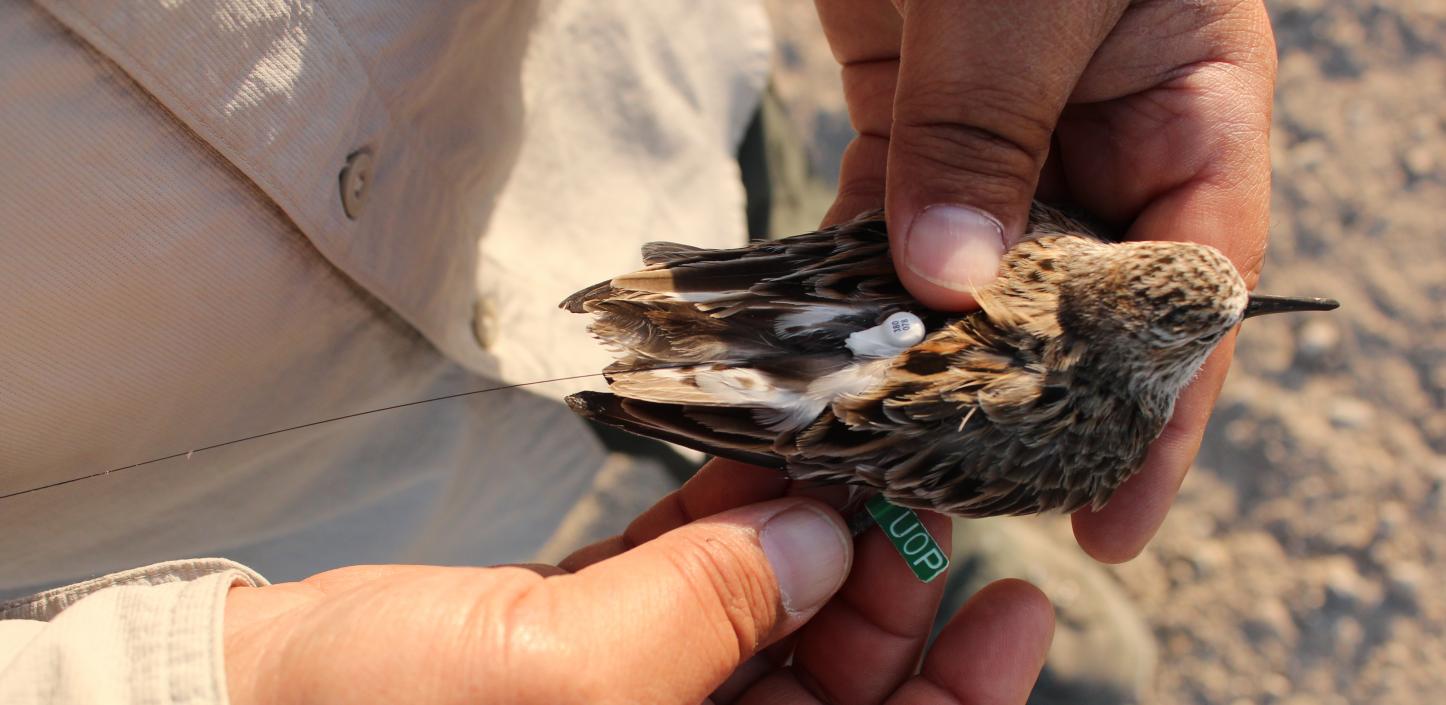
1304,560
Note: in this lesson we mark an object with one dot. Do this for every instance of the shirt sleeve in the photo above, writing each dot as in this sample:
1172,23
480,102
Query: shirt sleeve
144,636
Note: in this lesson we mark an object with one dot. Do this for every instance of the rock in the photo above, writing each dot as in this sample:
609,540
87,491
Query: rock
1345,588
1308,154
1317,339
1403,585
1438,376
1208,558
1181,572
1270,620
1346,636
1275,685
1350,412
1302,6
1214,680
1390,518
1420,163
1436,489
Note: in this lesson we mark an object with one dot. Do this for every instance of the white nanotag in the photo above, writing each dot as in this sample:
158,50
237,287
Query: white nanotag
896,334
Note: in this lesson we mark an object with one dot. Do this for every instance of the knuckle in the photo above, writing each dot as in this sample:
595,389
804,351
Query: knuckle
869,93
514,626
860,190
960,158
737,604
1013,112
992,143
532,651
1235,31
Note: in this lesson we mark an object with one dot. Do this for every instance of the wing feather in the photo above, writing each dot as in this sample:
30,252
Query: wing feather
740,353
672,423
796,299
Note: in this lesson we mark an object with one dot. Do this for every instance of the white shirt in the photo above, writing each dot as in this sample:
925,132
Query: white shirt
178,266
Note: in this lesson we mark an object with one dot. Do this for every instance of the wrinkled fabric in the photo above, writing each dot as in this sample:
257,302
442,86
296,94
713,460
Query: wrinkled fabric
146,635
179,270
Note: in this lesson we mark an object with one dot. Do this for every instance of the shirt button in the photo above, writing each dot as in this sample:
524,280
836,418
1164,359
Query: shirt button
355,177
484,323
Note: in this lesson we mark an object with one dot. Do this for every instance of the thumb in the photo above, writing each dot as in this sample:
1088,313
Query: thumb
981,87
668,621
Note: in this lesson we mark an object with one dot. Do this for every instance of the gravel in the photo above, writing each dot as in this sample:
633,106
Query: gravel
1303,560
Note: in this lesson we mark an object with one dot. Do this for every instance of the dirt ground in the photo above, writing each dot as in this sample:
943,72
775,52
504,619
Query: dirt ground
1303,561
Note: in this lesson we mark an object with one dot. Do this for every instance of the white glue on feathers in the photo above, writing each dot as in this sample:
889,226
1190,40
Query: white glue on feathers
896,334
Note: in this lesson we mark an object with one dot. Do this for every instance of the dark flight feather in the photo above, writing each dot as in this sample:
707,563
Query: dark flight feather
1045,398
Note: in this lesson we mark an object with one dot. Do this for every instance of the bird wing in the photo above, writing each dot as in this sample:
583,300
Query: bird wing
798,296
751,327
673,423
720,350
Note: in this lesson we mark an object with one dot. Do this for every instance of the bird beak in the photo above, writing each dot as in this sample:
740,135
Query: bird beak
1261,304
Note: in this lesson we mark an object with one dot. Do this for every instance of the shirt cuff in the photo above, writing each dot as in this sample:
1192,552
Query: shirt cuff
146,636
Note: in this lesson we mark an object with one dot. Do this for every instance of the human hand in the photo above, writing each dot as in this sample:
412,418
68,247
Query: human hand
706,592
1151,114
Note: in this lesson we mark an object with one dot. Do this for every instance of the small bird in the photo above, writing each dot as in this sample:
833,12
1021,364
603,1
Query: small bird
806,354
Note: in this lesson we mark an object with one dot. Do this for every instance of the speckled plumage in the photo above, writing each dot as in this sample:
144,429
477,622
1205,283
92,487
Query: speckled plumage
1046,398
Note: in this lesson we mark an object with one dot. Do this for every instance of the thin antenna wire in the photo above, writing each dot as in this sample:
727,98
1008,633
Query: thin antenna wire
307,425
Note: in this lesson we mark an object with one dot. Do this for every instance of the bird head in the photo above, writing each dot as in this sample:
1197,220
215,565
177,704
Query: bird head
1162,307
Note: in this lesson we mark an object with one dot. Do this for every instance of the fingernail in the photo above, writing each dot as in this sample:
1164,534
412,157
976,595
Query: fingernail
809,553
955,247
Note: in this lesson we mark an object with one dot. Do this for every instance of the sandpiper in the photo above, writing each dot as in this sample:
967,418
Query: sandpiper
806,354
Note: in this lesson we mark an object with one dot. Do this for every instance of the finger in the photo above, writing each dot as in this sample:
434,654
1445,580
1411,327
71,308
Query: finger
346,578
592,553
718,486
770,661
868,639
861,179
861,31
1120,530
990,653
864,36
543,569
742,680
780,686
669,620
980,89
